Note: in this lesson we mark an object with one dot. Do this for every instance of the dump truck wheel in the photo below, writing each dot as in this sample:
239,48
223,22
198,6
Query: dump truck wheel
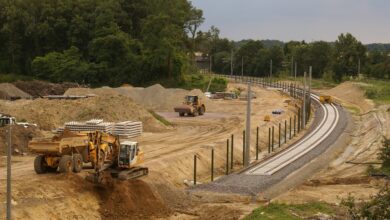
66,164
196,113
181,114
77,163
52,169
39,164
201,110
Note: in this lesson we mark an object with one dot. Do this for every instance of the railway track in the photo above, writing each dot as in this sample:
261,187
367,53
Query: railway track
328,124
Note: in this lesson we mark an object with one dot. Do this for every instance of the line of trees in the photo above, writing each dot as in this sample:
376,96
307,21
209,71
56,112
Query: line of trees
330,60
124,41
97,41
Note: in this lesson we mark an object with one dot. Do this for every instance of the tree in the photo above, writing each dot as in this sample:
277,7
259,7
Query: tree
348,52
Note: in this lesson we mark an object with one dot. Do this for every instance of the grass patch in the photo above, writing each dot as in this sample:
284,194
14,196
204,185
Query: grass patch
160,118
377,90
290,212
195,81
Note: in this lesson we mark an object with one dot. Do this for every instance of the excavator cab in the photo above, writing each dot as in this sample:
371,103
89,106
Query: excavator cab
192,100
128,153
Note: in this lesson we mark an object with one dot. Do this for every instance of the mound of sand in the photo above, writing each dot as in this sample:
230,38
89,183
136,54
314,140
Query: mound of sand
9,91
155,97
38,88
352,93
132,199
19,136
50,114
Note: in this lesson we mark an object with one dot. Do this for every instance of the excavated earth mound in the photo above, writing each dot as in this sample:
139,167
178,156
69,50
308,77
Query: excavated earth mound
351,93
38,88
50,114
131,199
8,91
19,136
154,97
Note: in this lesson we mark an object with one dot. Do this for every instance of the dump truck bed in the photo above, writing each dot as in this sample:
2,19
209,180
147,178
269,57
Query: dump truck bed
48,146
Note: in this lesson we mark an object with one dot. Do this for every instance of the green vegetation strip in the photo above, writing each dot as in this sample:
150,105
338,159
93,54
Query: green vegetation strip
291,212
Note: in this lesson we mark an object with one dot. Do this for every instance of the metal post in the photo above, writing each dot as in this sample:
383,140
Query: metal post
295,75
231,152
279,134
299,120
212,165
285,131
227,157
295,122
248,127
243,147
257,143
290,128
270,69
211,65
272,139
9,155
269,140
194,169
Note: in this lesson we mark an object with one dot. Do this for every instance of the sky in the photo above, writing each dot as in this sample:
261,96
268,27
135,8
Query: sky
309,20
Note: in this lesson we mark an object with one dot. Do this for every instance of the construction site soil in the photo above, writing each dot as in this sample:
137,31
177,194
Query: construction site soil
37,88
169,153
8,91
19,136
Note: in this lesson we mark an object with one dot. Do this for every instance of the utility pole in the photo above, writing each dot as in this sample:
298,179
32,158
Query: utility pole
310,75
211,63
304,102
9,155
295,74
231,63
292,65
270,69
242,66
248,127
359,67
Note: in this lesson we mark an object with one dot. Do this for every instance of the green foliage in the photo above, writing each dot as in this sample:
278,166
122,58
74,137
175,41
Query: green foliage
384,154
13,78
378,207
377,90
97,42
293,211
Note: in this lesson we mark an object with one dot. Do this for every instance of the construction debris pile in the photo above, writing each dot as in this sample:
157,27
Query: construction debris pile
126,129
10,92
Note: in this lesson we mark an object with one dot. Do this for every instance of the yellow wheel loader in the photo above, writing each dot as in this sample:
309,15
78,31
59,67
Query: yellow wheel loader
192,106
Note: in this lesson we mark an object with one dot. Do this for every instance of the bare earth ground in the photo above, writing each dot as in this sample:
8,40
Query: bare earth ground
347,174
169,156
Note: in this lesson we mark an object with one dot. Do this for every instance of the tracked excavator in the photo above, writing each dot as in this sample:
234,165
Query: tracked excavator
121,159
106,153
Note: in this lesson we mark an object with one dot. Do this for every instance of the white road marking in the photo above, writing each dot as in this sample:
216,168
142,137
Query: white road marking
312,140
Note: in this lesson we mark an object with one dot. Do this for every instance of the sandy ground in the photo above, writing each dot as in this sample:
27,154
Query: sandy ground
169,157
347,173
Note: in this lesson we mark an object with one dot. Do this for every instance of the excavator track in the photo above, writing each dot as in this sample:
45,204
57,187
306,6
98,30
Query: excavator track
132,173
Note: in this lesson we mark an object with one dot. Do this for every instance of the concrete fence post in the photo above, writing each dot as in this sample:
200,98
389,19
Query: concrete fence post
285,131
272,139
194,169
257,143
243,147
212,165
227,157
280,127
231,152
269,140
290,128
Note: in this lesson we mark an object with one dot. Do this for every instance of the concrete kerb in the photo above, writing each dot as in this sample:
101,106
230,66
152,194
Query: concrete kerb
320,163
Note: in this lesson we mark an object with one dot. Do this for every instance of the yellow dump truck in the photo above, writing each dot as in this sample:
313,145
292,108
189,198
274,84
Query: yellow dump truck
64,152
